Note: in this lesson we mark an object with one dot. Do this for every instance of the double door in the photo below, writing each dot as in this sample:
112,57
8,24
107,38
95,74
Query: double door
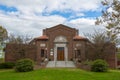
60,54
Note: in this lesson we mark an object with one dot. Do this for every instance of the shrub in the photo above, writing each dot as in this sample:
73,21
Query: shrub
24,65
118,56
7,65
87,62
99,66
1,60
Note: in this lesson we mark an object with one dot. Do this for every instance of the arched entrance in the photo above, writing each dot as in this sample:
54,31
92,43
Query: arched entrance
60,49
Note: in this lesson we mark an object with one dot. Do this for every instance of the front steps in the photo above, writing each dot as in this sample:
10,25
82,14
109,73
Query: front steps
68,64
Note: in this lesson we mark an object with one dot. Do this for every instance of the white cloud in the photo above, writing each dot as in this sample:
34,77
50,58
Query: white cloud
29,19
81,21
38,6
85,25
29,25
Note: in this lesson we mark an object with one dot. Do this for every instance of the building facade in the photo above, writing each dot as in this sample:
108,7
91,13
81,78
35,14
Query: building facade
58,43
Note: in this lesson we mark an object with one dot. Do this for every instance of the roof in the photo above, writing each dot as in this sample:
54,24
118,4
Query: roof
61,26
43,37
77,37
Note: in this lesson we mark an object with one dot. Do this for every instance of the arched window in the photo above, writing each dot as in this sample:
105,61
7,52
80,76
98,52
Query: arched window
60,39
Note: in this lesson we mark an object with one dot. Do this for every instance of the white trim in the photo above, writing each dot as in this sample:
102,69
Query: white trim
65,51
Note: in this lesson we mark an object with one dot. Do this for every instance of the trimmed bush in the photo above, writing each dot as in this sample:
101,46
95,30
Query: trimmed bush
1,60
24,65
7,65
99,66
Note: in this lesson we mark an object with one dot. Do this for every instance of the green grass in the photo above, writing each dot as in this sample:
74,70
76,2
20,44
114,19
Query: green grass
59,74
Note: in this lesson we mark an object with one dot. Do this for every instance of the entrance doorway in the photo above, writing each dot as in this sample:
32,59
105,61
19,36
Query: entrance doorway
60,53
60,49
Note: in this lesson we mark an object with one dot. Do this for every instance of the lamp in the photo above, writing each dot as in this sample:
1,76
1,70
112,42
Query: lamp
45,48
75,48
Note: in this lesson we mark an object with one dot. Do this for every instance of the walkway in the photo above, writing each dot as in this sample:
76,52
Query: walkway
61,64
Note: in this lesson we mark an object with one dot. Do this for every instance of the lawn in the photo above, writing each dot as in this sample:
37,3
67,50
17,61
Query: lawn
59,74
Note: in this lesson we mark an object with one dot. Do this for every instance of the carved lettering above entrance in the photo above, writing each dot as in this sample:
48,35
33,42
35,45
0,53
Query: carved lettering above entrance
42,45
77,45
60,39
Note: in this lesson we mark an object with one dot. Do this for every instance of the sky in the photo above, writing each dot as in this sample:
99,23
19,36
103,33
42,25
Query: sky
30,17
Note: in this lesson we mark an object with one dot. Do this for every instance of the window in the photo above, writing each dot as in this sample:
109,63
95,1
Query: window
42,52
78,53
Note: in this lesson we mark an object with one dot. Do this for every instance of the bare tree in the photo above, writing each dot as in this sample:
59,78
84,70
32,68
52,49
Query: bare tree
98,44
19,39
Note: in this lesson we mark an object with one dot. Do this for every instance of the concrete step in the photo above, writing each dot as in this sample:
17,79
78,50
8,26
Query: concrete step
61,64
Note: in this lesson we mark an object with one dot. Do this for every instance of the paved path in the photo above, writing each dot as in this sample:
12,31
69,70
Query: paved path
61,64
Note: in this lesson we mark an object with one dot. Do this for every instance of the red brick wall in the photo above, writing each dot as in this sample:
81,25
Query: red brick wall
111,57
14,52
109,54
61,30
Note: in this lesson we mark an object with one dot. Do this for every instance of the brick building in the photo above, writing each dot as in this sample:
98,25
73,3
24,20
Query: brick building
59,43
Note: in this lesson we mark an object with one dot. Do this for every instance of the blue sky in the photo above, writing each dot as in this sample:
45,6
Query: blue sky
32,16
7,9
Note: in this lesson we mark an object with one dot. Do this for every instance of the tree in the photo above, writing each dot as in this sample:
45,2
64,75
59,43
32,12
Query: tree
19,39
97,37
110,18
98,44
3,33
3,36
